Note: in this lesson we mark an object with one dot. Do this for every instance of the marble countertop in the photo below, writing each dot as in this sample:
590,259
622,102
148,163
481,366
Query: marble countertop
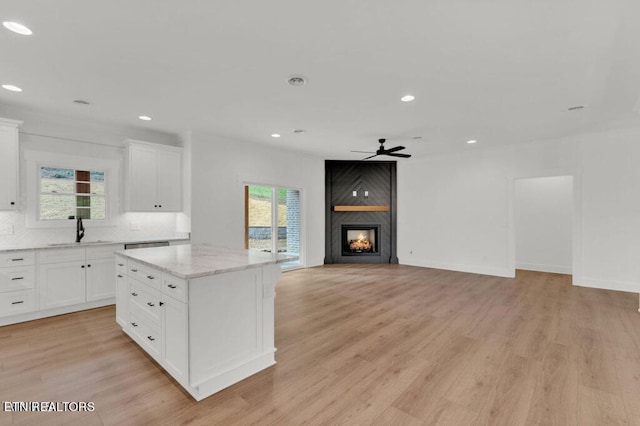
87,243
199,260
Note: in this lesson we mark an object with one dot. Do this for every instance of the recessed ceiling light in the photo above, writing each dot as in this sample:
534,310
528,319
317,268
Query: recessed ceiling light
407,98
11,87
145,118
275,135
17,28
472,141
297,81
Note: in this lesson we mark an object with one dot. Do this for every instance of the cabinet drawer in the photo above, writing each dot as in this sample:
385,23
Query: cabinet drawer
144,274
17,278
17,302
147,335
17,258
61,255
144,301
121,265
174,287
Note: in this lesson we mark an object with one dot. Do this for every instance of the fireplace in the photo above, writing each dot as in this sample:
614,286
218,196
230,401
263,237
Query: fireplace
360,240
360,212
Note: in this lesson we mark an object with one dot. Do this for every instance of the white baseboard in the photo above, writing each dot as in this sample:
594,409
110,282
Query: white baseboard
628,286
460,267
544,268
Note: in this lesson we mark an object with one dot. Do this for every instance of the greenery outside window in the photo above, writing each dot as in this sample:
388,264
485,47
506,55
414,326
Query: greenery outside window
68,194
61,185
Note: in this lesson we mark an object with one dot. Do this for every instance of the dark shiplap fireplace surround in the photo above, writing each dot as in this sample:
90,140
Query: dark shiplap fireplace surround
360,195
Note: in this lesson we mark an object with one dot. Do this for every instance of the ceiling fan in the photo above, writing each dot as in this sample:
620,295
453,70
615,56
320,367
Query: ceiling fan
392,152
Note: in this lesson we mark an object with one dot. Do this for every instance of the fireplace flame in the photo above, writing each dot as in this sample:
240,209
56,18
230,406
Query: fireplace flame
361,243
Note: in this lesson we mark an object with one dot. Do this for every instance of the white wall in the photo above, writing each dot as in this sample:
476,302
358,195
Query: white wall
219,170
543,209
61,135
455,210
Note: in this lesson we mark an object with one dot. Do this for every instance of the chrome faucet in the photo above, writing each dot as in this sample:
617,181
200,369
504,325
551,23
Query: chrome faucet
79,230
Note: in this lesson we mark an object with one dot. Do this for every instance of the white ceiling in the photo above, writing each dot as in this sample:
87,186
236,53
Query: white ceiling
499,71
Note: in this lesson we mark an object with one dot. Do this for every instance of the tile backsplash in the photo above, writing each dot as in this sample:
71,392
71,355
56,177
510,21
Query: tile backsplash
150,226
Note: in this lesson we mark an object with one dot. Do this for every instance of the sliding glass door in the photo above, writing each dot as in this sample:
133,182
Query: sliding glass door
272,220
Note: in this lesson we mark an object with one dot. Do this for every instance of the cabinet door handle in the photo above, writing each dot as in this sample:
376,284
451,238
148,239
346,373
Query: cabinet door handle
151,304
134,270
171,286
151,338
120,264
18,302
120,276
88,266
82,266
17,278
20,259
13,203
151,277
134,324
134,294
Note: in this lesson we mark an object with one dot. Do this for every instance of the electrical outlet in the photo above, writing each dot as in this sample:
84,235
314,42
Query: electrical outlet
135,226
6,229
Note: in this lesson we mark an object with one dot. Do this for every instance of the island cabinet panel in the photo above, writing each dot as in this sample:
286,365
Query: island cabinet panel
233,300
208,331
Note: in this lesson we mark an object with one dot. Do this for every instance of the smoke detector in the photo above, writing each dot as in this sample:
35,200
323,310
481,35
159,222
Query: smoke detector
297,81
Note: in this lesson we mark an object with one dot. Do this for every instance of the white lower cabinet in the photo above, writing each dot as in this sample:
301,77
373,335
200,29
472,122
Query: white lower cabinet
62,284
122,292
207,332
174,326
17,283
71,276
158,315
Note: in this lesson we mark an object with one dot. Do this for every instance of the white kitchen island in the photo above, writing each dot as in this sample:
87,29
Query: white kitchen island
204,313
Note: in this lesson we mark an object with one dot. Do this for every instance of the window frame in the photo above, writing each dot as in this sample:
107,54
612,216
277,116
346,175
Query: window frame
37,159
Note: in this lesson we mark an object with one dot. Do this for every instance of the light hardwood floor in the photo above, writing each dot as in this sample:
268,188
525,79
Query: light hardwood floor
360,345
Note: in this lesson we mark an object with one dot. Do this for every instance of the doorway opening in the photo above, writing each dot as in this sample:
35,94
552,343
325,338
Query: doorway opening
272,221
544,223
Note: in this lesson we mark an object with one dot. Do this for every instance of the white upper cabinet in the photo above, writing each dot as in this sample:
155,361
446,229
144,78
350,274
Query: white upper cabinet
9,164
153,180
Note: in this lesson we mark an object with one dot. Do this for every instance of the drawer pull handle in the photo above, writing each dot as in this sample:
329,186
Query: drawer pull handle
151,338
151,304
171,286
151,277
17,278
18,302
120,264
134,294
134,324
120,276
134,270
19,259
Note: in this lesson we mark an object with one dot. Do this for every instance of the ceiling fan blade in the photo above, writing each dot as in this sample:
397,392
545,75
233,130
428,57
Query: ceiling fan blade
364,152
394,149
371,156
399,155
